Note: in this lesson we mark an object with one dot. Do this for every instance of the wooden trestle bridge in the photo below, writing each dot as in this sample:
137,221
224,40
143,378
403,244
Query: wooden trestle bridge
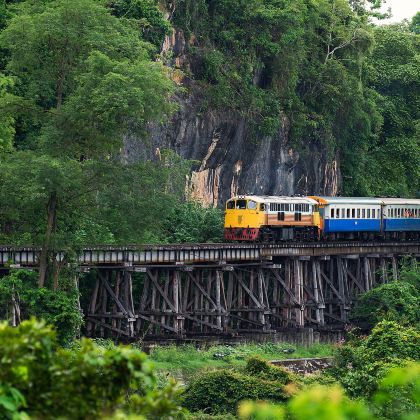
184,290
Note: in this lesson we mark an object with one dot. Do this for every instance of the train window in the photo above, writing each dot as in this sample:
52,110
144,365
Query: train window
348,213
373,213
353,213
280,215
363,213
262,207
368,214
343,213
358,213
241,204
252,205
230,205
332,213
398,213
298,217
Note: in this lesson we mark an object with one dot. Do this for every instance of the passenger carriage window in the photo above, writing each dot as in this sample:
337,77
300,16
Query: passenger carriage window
358,213
348,213
363,213
230,205
332,213
373,213
280,215
252,205
343,213
353,213
368,214
241,204
298,217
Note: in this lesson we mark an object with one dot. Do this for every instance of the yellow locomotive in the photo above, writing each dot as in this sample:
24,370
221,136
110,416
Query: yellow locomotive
271,218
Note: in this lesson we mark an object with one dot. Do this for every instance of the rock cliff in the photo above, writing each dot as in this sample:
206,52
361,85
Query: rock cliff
230,160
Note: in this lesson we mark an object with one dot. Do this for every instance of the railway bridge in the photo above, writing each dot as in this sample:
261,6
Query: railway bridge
205,289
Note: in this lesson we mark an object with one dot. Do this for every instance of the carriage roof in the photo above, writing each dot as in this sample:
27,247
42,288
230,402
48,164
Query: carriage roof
349,200
275,199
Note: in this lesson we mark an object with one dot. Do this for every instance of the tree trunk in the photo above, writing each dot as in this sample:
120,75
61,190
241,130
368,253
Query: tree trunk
43,259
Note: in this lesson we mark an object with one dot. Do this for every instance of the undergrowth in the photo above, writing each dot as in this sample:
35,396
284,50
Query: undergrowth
188,359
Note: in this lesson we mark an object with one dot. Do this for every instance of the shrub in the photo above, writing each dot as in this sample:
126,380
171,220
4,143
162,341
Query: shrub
397,398
221,391
85,382
57,307
397,301
256,366
361,364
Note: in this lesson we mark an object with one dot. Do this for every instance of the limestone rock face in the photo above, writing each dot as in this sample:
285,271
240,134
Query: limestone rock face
229,159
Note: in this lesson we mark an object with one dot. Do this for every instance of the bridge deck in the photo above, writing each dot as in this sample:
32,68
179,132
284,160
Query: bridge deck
144,255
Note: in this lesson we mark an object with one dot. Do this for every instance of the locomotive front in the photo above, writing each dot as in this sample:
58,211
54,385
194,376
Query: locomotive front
244,217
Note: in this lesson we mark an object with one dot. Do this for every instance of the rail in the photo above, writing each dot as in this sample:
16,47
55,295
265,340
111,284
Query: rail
219,253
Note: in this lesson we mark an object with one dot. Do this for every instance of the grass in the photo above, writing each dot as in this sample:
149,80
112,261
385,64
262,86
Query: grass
181,361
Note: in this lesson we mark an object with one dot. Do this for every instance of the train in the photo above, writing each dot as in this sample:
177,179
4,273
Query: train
252,218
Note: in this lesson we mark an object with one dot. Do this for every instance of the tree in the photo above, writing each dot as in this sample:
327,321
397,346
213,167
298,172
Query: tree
391,162
397,301
86,78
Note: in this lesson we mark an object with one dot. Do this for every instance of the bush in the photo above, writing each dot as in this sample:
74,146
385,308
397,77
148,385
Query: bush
398,301
57,307
262,369
397,398
362,363
85,382
221,391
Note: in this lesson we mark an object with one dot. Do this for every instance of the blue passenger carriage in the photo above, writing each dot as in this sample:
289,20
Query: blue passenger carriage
350,218
401,218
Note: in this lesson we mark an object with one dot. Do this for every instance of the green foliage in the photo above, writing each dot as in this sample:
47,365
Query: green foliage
190,222
391,162
221,391
7,130
153,24
397,398
256,366
186,359
363,362
399,393
82,79
84,382
397,301
57,307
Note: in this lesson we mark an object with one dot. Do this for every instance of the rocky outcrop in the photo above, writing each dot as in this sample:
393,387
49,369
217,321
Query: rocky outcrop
230,160
305,366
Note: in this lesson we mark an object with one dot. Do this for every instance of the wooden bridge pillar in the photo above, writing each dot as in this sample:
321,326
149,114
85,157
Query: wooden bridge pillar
177,301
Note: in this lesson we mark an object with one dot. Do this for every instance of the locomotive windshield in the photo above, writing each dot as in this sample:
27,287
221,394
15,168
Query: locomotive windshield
252,205
241,204
230,204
